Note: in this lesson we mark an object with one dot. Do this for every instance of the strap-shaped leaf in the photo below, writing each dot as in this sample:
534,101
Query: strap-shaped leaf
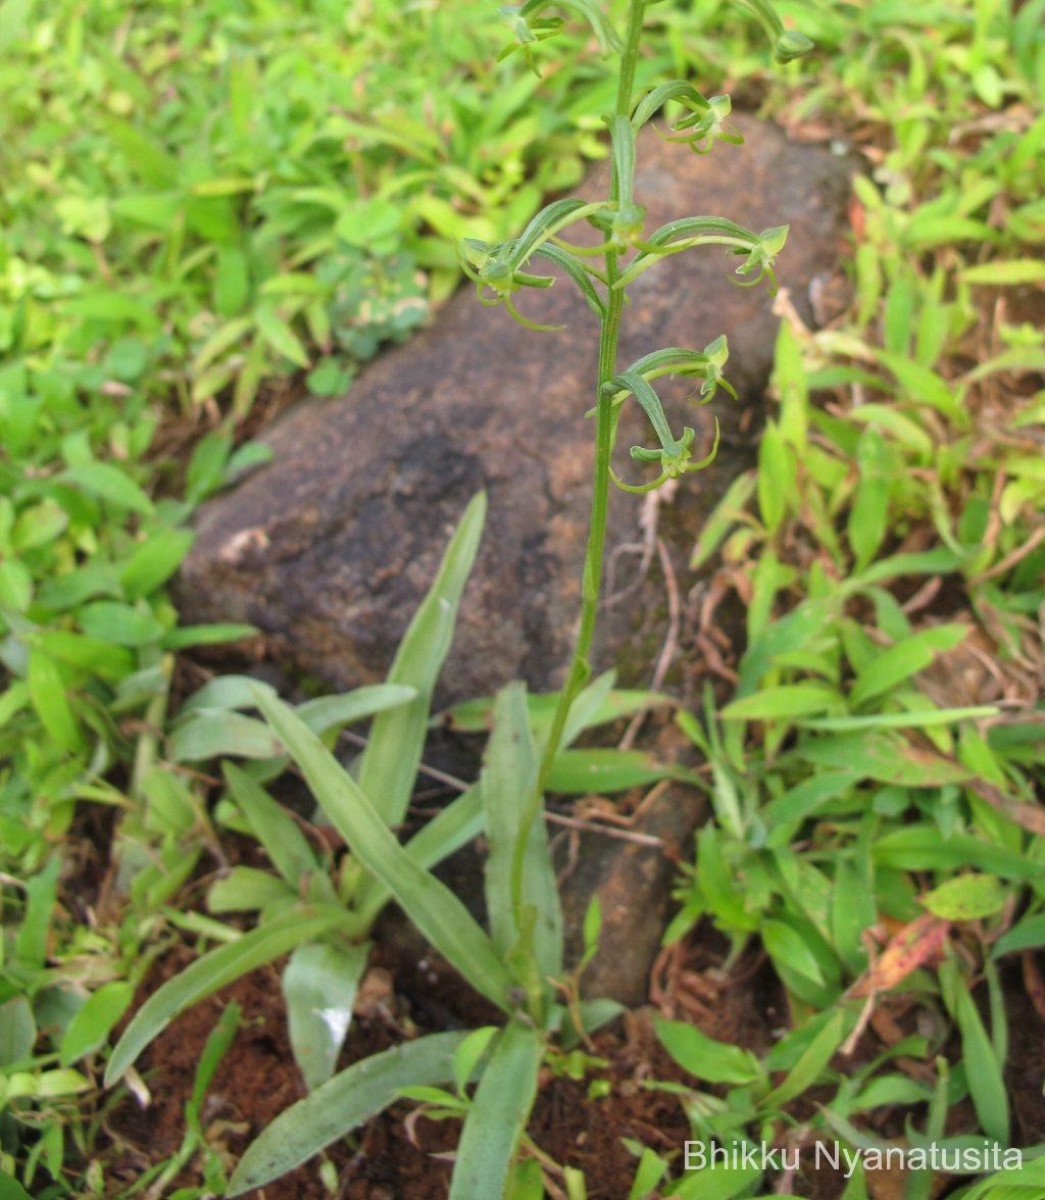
622,142
273,826
216,969
429,904
519,873
339,1106
389,764
449,830
498,1114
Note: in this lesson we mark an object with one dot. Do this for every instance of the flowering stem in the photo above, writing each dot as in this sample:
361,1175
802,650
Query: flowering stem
580,664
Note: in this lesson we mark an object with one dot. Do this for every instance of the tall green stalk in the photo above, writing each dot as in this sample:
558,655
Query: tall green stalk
609,339
626,252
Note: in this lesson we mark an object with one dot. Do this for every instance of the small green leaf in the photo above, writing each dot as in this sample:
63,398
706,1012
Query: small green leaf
983,1072
576,772
206,635
809,1068
921,848
273,826
882,755
777,477
11,1189
90,1028
38,525
782,703
470,1051
16,585
705,1058
217,1045
247,889
47,691
108,483
868,518
154,561
906,658
787,947
99,657
729,511
121,624
967,898
278,334
18,1030
1001,272
1027,934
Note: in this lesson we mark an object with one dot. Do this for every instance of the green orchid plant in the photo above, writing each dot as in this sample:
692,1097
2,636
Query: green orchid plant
518,964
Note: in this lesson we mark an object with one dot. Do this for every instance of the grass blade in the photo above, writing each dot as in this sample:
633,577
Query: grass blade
432,907
498,1114
336,1108
986,1082
389,763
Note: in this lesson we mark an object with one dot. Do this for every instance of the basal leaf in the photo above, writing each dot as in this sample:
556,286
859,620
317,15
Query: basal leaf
498,1114
389,764
432,906
342,1104
518,871
273,826
213,971
319,986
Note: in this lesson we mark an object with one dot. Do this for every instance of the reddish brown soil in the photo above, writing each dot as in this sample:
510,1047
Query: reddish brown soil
394,1160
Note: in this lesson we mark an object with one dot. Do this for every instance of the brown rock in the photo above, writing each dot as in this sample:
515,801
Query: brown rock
329,548
633,884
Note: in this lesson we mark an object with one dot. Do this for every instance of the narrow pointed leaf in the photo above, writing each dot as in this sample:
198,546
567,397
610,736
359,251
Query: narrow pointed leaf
518,871
340,1105
389,764
273,826
213,971
432,907
450,829
498,1114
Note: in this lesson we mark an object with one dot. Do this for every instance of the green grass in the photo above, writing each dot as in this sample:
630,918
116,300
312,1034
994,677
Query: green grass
196,205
